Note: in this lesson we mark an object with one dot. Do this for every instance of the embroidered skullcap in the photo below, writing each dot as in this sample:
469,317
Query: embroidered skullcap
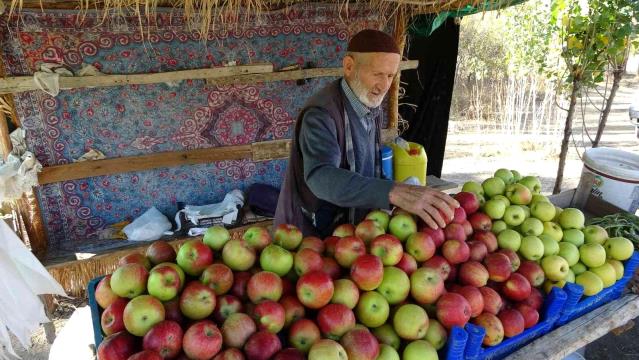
370,40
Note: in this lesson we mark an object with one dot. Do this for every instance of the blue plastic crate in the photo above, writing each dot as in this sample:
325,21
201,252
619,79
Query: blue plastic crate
553,306
95,311
577,305
456,344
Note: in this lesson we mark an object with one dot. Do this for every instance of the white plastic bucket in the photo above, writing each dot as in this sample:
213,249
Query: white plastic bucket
616,176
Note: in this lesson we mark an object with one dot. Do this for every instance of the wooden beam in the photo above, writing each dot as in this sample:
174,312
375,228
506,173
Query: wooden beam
26,83
399,34
576,334
5,141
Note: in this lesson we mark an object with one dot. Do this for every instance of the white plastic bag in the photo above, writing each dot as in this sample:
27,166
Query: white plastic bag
148,227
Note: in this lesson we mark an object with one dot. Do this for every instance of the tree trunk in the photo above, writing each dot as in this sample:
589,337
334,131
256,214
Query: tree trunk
616,80
567,134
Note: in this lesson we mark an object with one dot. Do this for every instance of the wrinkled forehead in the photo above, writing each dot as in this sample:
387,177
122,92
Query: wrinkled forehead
377,62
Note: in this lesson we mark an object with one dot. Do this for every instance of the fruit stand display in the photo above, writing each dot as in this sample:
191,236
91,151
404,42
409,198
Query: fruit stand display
509,267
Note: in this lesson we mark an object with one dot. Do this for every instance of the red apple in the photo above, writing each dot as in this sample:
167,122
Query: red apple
344,230
445,217
218,277
238,254
421,246
112,320
172,310
314,289
478,250
345,292
367,272
488,238
440,264
165,338
104,296
197,301
468,201
498,266
455,251
141,314
306,260
293,309
194,256
348,249
118,346
531,316
514,258
452,275
473,273
288,288
460,216
330,243
493,327
264,285
230,354
474,298
480,221
388,248
436,234
262,346
512,321
453,309
313,243
285,235
516,288
240,280
135,258
493,302
360,344
468,229
331,267
335,320
237,328
532,272
160,251
407,264
129,280
455,232
535,300
303,334
146,355
426,285
367,230
164,282
202,340
270,316
226,305
290,354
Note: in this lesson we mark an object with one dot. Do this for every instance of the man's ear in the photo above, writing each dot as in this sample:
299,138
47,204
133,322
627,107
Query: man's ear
348,65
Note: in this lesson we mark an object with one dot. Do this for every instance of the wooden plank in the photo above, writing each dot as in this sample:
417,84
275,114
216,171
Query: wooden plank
399,34
26,83
559,343
277,149
5,140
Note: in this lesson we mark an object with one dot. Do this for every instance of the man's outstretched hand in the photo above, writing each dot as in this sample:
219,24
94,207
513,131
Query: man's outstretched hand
424,202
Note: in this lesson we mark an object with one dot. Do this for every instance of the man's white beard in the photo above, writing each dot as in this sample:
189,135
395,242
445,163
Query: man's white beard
361,92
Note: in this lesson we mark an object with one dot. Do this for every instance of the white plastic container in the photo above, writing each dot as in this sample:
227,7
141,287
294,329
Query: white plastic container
615,175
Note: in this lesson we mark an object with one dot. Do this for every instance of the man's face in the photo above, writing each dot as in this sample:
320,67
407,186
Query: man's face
370,75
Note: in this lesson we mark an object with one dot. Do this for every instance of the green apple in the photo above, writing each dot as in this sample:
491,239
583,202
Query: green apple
532,248
570,277
498,226
578,268
572,218
558,212
420,350
555,267
590,281
569,252
618,265
436,334
164,282
495,209
574,236
595,234
506,175
238,255
395,285
493,186
509,239
607,273
514,215
402,226
518,194
532,226
372,309
410,322
542,210
381,218
539,198
551,247
618,248
276,259
473,187
532,183
327,349
216,236
345,292
592,255
129,280
553,230
516,175
549,284
526,210
502,198
141,314
385,334
386,352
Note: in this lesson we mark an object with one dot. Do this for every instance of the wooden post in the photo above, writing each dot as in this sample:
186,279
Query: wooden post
399,34
5,141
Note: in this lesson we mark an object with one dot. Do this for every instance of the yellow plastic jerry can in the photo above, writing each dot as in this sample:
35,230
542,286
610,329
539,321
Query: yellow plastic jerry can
409,163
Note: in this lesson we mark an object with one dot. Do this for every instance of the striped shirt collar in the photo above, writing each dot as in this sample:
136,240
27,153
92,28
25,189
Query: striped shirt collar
361,110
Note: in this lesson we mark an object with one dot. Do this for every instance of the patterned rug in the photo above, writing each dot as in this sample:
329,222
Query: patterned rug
143,119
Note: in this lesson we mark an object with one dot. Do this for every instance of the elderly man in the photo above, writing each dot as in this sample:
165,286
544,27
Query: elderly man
333,174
